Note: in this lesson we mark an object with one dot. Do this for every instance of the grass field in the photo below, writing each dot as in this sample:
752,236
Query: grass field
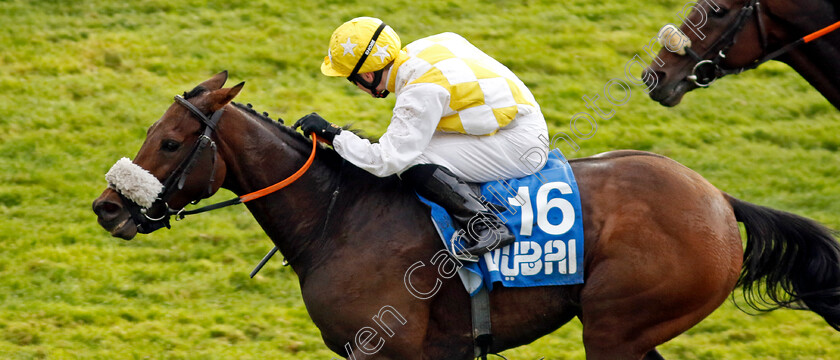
80,81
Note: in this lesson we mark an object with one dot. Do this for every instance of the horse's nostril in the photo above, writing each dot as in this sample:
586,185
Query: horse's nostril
653,77
660,75
106,209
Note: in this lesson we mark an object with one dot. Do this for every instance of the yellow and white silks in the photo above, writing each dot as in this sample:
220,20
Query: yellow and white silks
457,107
484,95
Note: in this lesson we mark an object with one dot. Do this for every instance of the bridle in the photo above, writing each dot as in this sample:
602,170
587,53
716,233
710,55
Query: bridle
176,180
706,71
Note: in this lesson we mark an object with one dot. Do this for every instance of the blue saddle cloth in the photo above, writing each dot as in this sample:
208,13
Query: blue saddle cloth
544,212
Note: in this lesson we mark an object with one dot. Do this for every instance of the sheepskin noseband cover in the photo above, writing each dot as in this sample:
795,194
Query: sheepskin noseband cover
134,182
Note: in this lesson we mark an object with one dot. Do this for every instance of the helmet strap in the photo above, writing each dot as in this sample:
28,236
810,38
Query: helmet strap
377,77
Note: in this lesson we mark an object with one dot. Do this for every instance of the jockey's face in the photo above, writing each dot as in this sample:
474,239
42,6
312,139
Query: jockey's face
369,77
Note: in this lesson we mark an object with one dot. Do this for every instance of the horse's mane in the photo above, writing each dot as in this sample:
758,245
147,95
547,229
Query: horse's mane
356,177
328,155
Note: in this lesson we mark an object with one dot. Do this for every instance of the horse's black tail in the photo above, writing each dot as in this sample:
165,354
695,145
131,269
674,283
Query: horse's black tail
797,260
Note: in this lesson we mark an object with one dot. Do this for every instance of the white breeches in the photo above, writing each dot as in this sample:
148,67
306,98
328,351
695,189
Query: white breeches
514,151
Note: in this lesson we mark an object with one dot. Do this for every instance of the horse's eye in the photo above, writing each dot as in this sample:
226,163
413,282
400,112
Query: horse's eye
170,145
720,13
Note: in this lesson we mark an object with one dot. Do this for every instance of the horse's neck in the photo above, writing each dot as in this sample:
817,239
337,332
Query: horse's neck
815,61
295,218
258,154
815,65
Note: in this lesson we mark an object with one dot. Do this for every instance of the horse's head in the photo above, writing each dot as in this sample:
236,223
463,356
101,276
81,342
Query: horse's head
178,163
717,37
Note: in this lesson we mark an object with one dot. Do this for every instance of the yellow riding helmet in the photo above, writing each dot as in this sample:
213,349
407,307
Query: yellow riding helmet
352,40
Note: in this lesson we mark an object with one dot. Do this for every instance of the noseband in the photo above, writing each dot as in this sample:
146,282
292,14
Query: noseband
176,180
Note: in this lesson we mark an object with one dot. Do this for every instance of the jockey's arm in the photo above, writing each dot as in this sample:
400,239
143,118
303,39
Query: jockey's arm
416,115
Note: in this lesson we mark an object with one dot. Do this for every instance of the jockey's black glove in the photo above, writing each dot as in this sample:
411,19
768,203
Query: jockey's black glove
315,123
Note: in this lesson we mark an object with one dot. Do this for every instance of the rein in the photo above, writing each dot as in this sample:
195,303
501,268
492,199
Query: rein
180,214
706,71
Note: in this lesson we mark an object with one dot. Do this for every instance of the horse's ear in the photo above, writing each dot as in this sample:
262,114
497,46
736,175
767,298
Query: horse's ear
216,82
222,97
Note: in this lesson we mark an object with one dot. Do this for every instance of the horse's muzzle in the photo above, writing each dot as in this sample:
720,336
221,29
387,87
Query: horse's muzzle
113,216
670,90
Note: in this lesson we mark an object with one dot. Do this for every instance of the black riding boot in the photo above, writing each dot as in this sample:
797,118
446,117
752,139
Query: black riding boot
482,230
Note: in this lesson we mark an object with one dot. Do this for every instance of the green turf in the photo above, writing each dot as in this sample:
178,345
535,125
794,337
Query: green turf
82,80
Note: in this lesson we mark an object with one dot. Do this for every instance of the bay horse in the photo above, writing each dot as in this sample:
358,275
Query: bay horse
663,247
738,35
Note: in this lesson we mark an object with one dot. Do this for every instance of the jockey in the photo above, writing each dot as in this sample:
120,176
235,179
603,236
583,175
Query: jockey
459,116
